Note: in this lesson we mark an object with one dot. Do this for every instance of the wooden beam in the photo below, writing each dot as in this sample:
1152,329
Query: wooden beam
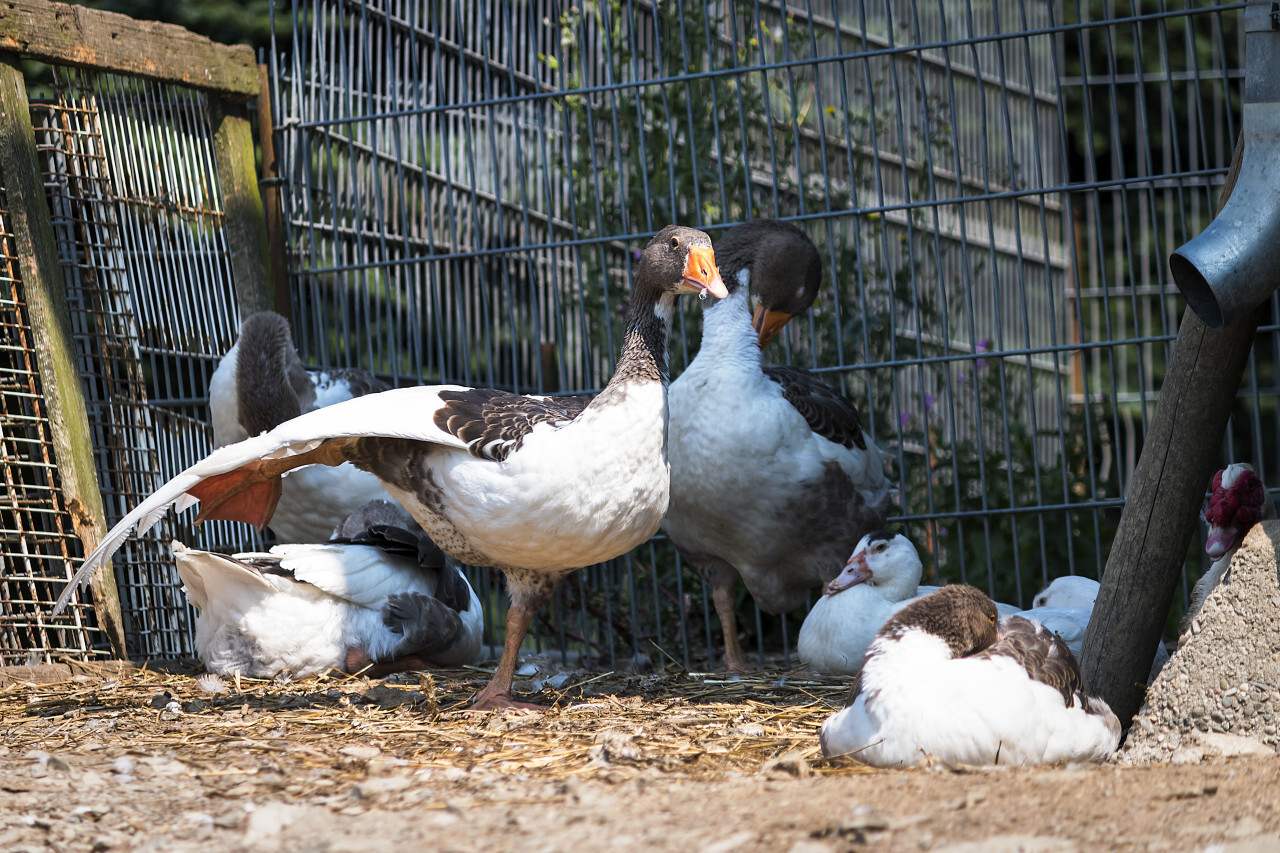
50,319
106,41
244,219
271,201
1162,509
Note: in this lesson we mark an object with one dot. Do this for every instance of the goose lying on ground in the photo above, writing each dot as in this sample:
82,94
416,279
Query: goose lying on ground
381,600
1065,607
261,383
534,486
946,679
772,477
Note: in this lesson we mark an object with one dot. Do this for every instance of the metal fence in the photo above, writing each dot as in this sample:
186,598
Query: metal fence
994,187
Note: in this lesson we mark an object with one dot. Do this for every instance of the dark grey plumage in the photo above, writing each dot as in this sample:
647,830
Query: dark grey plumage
825,409
1042,653
494,423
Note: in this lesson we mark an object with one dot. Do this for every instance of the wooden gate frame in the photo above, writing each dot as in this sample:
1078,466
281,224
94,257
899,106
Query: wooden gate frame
109,42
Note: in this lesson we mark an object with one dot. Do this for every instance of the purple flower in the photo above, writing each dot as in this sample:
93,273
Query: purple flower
928,401
635,256
942,531
904,419
962,378
983,346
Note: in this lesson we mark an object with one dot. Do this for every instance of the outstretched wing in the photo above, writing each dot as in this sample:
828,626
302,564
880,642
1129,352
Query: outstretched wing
828,413
493,424
241,481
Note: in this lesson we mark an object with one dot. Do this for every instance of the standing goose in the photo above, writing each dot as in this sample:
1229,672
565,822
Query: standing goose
381,599
945,679
261,383
772,478
534,486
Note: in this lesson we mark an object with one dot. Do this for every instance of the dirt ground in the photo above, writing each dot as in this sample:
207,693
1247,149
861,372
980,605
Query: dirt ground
124,760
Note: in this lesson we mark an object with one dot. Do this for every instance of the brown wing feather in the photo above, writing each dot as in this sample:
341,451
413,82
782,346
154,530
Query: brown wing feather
494,423
828,413
1042,653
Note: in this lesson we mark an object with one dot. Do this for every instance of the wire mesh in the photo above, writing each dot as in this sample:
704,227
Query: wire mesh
133,193
994,188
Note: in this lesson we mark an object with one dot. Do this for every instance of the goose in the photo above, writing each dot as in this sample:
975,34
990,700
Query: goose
536,487
878,580
1065,607
883,572
790,482
1237,501
261,383
380,599
948,679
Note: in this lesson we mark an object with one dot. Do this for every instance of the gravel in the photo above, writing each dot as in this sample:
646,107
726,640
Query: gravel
1219,695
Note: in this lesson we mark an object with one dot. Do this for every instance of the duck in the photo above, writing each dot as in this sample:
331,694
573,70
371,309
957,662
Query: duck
879,579
947,679
261,383
378,598
536,487
882,573
791,481
1237,501
1065,607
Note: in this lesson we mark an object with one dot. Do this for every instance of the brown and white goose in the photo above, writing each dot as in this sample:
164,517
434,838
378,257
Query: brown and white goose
536,487
261,383
772,477
946,678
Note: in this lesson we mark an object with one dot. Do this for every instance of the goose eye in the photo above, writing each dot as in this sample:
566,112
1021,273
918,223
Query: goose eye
991,618
675,242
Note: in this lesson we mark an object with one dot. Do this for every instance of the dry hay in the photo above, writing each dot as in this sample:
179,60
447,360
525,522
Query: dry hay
259,733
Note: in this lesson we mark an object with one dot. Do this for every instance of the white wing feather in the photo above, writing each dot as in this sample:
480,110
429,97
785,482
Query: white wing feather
399,413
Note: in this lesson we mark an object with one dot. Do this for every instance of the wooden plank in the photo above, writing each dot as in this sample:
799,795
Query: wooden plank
245,221
89,38
1162,508
51,329
271,201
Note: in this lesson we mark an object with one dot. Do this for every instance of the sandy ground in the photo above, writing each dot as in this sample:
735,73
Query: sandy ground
140,760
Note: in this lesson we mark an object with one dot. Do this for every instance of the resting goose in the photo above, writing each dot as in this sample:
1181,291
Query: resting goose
1237,501
261,383
883,572
945,680
1065,607
772,477
380,600
534,486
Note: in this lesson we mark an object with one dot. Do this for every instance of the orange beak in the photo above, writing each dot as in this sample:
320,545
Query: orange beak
768,323
700,274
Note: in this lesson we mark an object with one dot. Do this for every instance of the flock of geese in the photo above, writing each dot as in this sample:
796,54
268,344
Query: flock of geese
759,473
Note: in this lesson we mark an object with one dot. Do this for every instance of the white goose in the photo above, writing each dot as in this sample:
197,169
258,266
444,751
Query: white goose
381,600
943,680
1065,607
261,383
534,486
772,477
882,573
1237,501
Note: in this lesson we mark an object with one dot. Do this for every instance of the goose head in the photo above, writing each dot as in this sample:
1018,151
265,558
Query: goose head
962,616
1238,501
680,260
778,264
883,560
1067,591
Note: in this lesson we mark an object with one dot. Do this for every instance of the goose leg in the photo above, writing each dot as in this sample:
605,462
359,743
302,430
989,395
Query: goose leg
723,598
497,693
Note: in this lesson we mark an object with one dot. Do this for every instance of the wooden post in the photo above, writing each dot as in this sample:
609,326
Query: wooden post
271,201
1179,455
244,220
51,330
